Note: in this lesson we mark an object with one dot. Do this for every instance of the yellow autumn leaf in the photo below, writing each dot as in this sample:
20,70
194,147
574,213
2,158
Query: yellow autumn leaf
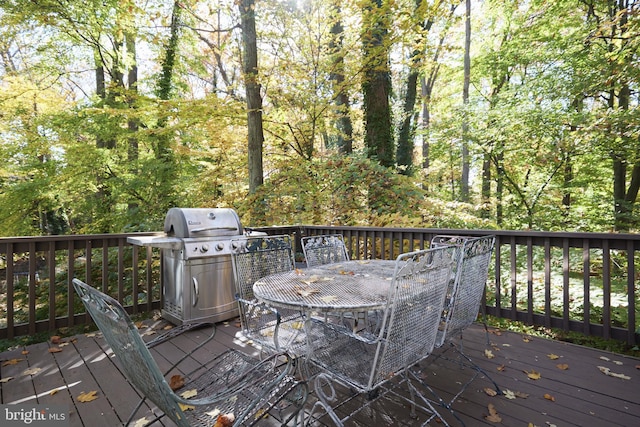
526,339
493,414
490,392
31,371
489,354
553,356
562,366
6,379
533,374
509,394
186,407
329,298
54,391
12,362
87,397
549,397
141,422
189,394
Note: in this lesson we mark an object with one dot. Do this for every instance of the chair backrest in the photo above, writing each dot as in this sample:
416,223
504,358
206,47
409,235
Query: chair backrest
470,280
259,256
324,249
126,343
416,301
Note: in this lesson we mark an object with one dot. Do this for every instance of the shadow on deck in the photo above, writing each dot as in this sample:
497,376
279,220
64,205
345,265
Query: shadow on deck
575,385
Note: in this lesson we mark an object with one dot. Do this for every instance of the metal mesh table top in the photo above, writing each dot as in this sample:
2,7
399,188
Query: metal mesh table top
344,286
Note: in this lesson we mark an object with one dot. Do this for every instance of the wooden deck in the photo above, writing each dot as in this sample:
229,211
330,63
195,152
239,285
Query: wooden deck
571,389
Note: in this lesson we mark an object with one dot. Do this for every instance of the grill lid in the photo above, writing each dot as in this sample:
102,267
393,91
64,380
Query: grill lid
206,222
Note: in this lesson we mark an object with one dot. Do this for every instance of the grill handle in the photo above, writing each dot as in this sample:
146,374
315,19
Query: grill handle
199,230
195,293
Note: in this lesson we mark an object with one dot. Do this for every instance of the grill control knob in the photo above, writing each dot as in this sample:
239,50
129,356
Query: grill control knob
204,248
220,246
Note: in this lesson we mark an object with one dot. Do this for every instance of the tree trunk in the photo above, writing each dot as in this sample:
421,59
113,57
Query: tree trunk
377,85
343,123
254,99
464,185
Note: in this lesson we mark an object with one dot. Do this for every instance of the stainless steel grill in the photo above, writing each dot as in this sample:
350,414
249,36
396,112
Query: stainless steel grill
197,276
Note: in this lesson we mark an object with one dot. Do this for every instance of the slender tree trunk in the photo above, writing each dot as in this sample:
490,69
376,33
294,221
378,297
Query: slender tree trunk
134,123
464,187
343,122
254,99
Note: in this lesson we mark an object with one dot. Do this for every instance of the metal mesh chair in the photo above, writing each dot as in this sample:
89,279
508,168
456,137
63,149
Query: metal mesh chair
378,364
464,295
254,258
324,249
467,287
230,383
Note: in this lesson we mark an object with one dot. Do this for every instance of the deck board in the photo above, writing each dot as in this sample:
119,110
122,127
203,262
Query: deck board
582,394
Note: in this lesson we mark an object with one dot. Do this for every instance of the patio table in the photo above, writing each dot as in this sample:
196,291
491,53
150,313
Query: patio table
351,286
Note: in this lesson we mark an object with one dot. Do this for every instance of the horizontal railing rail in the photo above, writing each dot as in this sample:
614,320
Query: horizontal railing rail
582,282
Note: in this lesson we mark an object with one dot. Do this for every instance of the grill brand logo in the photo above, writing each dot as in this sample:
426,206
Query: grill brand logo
191,222
19,415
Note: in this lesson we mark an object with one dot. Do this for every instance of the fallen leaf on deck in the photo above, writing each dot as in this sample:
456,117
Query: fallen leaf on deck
55,339
225,420
32,371
549,397
6,380
637,366
260,413
176,382
521,395
148,332
54,391
526,339
12,362
608,372
490,392
189,393
63,344
617,362
87,397
489,354
24,352
553,356
55,349
497,332
533,374
605,358
299,272
90,335
186,407
493,414
141,422
139,325
562,366
501,368
509,394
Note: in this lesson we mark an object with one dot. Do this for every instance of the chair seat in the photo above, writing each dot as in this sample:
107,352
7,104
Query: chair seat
251,379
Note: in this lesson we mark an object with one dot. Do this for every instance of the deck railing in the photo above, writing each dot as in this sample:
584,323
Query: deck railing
584,282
